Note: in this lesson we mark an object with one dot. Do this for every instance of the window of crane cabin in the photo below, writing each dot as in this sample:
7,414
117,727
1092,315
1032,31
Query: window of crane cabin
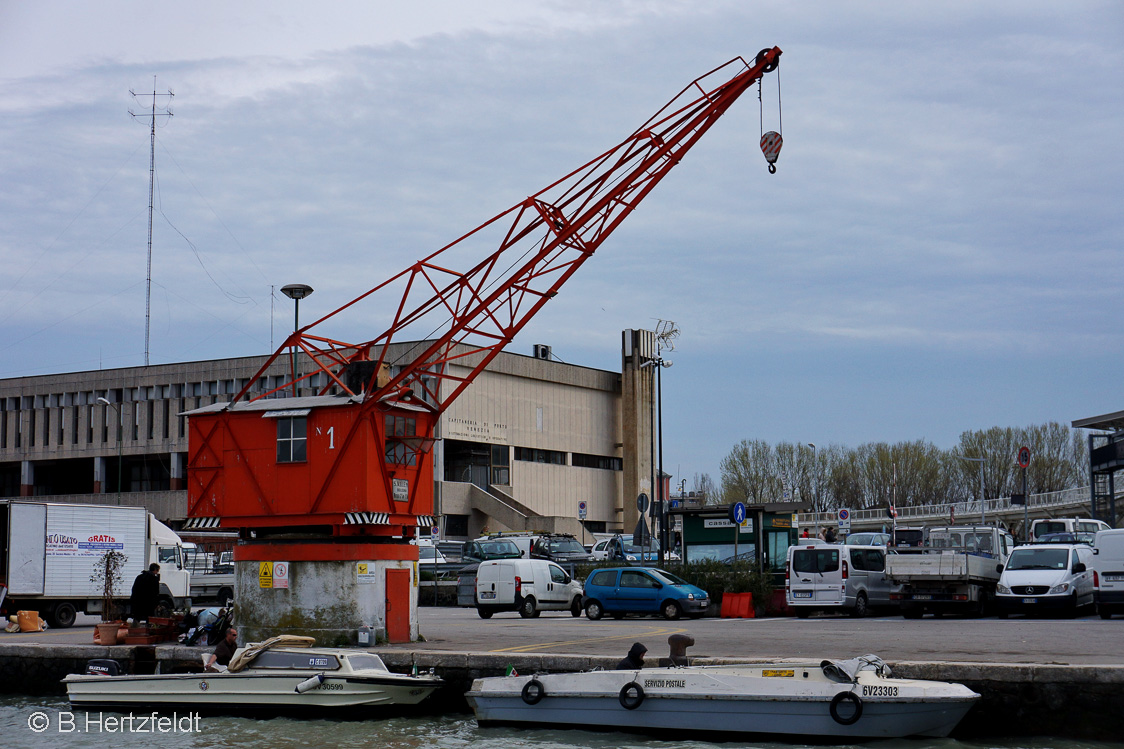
292,439
400,448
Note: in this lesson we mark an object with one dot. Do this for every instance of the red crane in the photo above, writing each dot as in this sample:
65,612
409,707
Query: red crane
459,317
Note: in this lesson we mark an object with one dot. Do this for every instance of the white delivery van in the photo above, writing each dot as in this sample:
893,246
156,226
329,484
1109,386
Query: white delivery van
1108,572
528,586
1039,578
825,577
1039,528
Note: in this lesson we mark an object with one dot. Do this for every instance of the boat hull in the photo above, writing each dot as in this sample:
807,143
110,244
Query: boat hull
727,702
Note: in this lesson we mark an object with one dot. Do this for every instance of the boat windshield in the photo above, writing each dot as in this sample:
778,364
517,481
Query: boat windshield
668,578
296,659
1038,559
366,662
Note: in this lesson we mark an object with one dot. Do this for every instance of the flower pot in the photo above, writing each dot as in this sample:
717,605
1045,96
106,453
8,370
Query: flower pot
107,633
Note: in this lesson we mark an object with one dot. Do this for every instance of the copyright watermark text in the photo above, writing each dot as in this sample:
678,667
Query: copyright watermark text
42,721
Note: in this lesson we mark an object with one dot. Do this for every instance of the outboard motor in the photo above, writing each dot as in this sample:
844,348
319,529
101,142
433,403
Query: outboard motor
103,667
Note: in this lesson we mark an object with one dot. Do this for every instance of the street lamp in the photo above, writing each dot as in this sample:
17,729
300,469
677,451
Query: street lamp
105,402
815,477
983,521
296,292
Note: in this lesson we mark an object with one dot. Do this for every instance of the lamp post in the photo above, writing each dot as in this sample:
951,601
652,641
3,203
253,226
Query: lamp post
660,363
815,477
296,292
105,402
981,461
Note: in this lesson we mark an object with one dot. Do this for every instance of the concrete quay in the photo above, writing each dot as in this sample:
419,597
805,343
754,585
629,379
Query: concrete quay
1070,701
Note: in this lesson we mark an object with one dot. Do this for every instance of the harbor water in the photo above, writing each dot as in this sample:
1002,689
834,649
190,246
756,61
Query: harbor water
49,721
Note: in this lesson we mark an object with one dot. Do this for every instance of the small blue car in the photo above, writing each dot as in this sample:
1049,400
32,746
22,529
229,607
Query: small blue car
641,590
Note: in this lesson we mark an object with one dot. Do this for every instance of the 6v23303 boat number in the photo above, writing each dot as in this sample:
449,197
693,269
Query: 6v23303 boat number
879,691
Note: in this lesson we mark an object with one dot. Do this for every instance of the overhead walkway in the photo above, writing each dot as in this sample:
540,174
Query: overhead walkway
1067,503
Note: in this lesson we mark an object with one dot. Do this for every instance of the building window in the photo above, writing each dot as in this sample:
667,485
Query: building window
292,439
533,455
596,461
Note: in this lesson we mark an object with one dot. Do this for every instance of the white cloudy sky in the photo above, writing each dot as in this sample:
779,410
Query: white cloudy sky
939,250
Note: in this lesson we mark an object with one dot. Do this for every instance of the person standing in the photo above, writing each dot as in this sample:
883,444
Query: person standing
146,591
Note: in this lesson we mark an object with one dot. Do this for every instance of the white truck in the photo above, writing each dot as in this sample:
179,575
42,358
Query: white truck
956,572
212,577
48,551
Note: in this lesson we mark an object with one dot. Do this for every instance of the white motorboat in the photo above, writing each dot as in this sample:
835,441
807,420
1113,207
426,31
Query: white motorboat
282,674
857,698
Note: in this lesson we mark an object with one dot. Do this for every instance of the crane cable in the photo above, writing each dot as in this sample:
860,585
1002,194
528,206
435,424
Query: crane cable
771,141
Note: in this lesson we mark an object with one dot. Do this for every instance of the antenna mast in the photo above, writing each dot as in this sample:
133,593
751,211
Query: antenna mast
152,115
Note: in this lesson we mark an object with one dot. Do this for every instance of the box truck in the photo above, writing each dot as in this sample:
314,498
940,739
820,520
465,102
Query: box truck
49,550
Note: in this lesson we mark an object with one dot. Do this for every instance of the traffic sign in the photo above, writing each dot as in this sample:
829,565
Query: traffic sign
1024,456
737,513
844,519
642,502
435,532
583,509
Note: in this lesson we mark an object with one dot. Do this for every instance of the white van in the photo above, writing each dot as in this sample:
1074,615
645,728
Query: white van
825,577
1108,572
528,586
1040,528
1046,578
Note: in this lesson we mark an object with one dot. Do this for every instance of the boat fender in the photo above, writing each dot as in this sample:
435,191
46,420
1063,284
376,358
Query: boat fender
310,683
852,698
631,696
533,692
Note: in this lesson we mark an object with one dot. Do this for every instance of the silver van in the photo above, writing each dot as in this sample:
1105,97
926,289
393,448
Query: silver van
826,577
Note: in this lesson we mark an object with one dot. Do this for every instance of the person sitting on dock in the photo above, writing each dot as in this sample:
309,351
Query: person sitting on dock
224,651
634,661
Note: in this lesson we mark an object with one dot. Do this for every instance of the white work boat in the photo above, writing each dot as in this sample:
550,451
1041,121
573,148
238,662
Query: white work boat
856,698
281,674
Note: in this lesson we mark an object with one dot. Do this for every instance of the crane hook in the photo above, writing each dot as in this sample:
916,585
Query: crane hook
771,143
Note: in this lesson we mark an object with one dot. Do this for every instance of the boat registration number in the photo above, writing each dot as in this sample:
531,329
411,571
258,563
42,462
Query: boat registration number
801,594
487,595
330,687
877,690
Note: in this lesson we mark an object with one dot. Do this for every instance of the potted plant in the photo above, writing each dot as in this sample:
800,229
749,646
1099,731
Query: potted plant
106,576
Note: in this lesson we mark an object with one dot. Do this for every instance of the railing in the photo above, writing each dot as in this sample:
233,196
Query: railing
1039,505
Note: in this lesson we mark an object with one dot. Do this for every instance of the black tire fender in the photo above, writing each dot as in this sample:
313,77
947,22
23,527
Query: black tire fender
853,699
533,692
631,695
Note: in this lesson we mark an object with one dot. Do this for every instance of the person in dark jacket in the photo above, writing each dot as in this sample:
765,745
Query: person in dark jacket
146,589
635,658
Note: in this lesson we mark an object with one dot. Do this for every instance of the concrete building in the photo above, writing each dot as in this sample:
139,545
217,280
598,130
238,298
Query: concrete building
528,441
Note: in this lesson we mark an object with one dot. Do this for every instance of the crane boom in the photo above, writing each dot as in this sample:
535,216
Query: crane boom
543,240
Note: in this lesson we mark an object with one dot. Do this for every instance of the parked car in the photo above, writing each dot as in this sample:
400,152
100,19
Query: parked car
1108,572
1046,578
482,550
867,539
560,547
1080,537
824,577
529,586
621,548
650,591
429,554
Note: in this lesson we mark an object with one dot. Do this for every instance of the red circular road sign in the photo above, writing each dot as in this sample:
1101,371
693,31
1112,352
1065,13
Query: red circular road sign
1024,456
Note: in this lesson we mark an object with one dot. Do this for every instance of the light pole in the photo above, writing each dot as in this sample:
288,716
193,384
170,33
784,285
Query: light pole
660,363
981,461
105,402
815,477
296,292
